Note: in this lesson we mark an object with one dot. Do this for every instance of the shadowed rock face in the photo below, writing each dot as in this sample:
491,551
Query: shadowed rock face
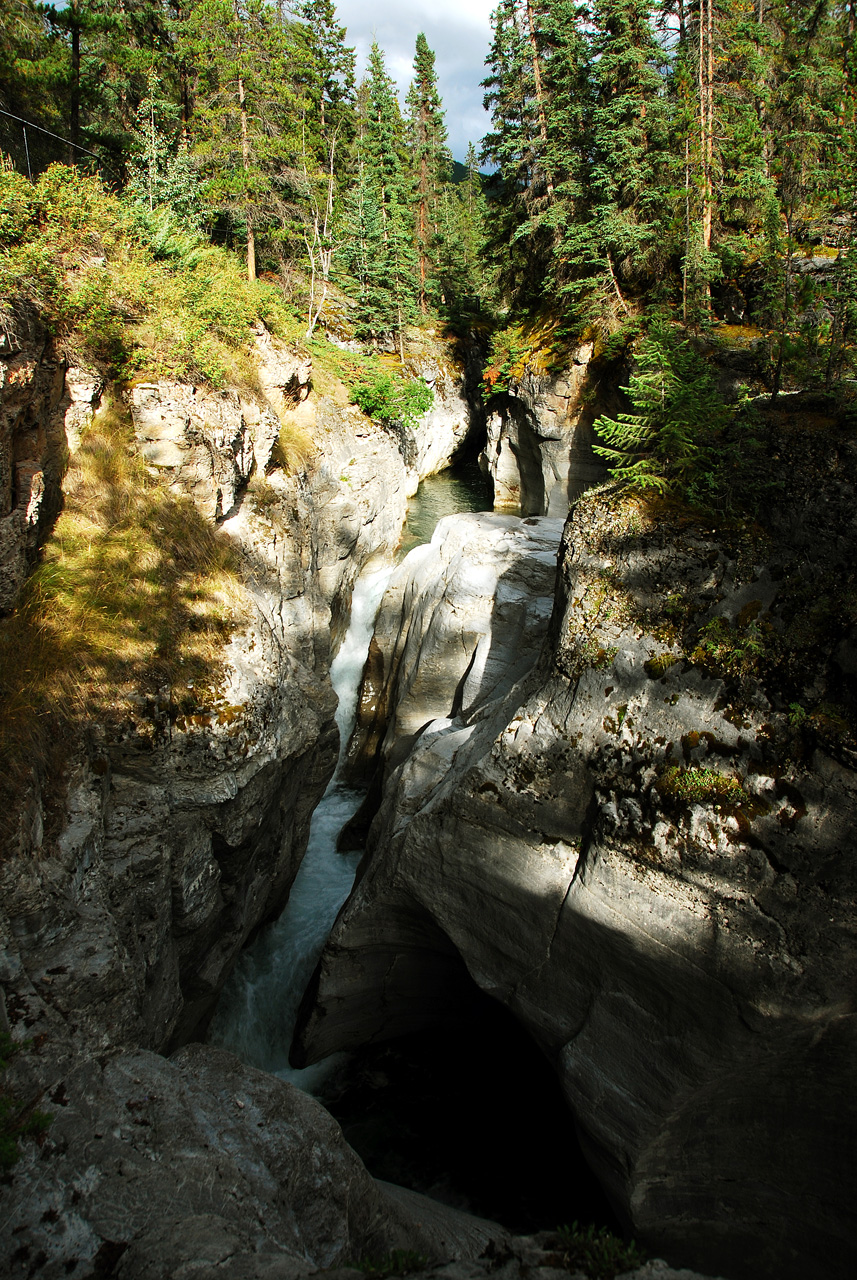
540,437
685,958
159,1168
180,836
41,405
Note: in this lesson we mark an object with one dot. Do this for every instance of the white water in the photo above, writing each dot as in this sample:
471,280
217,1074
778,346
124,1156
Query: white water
256,1014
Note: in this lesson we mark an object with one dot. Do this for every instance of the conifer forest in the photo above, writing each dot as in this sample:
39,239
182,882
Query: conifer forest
684,161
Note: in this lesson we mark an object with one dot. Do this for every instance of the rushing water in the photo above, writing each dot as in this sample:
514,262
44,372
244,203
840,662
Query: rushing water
256,1014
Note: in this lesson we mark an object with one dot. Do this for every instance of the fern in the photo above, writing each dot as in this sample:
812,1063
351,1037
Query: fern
677,410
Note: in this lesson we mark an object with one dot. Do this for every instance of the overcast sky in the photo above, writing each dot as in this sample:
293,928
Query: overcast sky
459,32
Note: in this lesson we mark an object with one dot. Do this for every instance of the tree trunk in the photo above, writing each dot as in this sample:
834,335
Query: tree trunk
540,100
245,158
74,106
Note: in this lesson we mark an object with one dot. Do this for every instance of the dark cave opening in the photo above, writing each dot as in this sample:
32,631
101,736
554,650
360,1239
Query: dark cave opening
471,1113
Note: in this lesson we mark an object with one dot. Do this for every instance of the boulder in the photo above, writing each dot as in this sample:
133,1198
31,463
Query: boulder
197,1165
630,852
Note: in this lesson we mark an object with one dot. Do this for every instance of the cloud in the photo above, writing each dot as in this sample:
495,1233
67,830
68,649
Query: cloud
459,32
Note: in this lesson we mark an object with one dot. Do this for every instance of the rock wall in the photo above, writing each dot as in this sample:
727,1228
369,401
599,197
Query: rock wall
540,437
182,834
42,406
636,855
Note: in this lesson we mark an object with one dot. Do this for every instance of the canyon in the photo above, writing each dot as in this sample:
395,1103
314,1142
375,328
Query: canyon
537,699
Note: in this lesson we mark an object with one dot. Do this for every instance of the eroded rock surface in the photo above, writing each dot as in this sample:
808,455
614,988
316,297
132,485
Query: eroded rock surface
635,853
540,437
180,833
200,1165
462,619
42,405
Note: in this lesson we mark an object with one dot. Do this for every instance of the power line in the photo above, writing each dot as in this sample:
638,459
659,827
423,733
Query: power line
28,124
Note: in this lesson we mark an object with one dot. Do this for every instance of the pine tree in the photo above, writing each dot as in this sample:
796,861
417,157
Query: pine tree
247,112
431,163
381,212
331,72
628,201
515,146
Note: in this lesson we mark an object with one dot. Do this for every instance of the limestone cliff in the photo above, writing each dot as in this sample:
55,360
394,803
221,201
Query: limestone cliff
132,882
642,850
178,828
540,436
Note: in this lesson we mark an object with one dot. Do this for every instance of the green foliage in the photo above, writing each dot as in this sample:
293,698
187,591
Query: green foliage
17,1120
131,290
661,446
16,207
401,1262
532,345
161,172
596,1252
430,165
700,784
389,398
738,650
379,225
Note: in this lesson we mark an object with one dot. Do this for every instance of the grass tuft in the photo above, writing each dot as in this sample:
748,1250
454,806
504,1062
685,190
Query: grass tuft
133,602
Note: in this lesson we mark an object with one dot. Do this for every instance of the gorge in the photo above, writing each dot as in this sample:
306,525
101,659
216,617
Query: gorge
680,957
397,885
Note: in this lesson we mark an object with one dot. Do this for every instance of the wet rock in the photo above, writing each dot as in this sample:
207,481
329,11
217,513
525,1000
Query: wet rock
684,958
461,620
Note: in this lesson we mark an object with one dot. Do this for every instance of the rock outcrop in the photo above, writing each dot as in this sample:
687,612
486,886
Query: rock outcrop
42,406
182,829
198,1165
641,853
540,437
462,619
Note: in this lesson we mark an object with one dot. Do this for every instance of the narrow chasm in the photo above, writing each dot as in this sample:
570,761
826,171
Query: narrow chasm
460,1104
470,1112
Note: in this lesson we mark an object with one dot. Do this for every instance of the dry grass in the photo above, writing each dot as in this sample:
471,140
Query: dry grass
295,447
132,603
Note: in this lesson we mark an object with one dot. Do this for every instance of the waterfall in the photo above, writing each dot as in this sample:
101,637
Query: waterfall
256,1014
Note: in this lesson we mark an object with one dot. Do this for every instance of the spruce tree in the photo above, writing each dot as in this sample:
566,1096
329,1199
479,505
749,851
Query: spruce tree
431,163
331,77
388,287
247,112
628,199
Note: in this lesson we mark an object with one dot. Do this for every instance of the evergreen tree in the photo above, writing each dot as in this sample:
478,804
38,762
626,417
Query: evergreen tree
379,214
431,163
628,196
247,115
331,73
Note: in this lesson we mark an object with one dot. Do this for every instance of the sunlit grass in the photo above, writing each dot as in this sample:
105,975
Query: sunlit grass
134,599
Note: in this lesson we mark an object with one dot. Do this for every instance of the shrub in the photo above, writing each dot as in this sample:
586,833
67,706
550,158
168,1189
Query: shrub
597,1252
17,1120
392,398
131,290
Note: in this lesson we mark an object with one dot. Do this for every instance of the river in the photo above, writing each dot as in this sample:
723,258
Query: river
256,1013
